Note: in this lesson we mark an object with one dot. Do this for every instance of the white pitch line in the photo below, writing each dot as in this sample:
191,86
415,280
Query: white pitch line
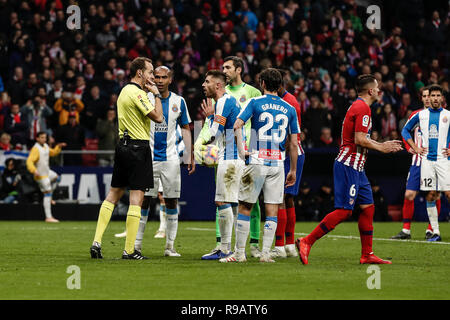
344,237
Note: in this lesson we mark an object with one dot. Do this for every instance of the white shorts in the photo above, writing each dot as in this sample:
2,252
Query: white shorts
167,179
435,175
259,177
45,184
228,175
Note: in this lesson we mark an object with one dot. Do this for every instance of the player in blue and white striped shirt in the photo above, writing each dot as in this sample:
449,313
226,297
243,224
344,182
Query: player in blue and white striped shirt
229,168
165,156
274,123
434,124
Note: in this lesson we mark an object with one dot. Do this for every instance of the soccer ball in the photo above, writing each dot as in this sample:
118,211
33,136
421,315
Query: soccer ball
211,155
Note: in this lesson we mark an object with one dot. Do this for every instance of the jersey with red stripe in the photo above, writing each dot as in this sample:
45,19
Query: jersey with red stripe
292,100
357,119
416,159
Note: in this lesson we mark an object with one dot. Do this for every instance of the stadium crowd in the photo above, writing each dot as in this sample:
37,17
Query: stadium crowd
66,82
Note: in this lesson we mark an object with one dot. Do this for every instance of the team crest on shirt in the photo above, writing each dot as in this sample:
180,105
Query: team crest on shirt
444,119
175,108
243,98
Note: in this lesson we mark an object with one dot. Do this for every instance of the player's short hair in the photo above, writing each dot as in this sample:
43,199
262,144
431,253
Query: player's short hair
138,64
169,71
424,88
40,133
272,79
362,81
217,74
283,74
237,62
435,87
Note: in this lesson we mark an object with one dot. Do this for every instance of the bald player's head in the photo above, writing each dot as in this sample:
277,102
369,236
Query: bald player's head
163,78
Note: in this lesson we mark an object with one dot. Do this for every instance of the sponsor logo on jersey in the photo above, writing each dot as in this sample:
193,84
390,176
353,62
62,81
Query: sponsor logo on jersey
433,134
220,119
269,154
162,127
365,121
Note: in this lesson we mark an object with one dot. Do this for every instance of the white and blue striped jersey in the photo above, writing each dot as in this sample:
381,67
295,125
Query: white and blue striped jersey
221,125
273,119
434,126
163,136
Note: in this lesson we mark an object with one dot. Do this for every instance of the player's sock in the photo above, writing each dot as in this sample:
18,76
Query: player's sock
47,203
234,207
103,219
242,230
281,228
141,229
290,226
218,237
162,217
408,212
132,225
270,228
365,226
433,216
328,223
438,207
226,226
255,224
172,227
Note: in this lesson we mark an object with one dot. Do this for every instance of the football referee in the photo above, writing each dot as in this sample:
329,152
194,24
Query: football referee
132,159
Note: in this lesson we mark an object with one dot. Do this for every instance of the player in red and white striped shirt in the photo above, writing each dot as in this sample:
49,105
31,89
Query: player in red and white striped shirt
351,186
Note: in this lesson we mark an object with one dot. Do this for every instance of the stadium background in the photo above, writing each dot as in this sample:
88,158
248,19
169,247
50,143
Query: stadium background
76,75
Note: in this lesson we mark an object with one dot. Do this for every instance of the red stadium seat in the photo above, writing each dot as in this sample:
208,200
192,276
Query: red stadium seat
395,212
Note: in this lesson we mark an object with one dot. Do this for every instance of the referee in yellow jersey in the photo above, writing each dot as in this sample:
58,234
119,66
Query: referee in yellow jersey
132,159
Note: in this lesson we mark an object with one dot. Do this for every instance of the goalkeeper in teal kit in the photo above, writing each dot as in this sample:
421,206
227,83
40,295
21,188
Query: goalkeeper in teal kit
242,92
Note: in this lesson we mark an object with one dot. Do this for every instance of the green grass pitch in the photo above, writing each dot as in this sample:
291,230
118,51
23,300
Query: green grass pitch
35,257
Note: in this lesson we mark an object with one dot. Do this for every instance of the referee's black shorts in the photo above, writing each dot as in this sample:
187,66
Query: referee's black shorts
133,166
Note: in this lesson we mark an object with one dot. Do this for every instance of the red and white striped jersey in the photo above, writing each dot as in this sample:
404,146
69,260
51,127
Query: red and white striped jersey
357,119
416,159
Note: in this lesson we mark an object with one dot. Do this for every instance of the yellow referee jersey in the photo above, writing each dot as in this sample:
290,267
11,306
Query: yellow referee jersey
133,107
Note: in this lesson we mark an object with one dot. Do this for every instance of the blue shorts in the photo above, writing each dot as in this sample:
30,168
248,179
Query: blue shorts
413,180
350,187
293,190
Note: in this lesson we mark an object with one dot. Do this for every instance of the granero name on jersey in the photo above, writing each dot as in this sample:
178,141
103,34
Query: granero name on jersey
274,107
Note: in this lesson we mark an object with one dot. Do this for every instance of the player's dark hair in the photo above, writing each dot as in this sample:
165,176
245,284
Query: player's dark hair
435,87
272,79
237,62
217,74
362,81
138,64
40,133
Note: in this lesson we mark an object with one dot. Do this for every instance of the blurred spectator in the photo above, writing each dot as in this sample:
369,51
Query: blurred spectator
35,113
381,208
73,135
95,108
315,118
16,125
5,142
9,191
108,138
326,140
388,121
325,199
67,104
306,205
